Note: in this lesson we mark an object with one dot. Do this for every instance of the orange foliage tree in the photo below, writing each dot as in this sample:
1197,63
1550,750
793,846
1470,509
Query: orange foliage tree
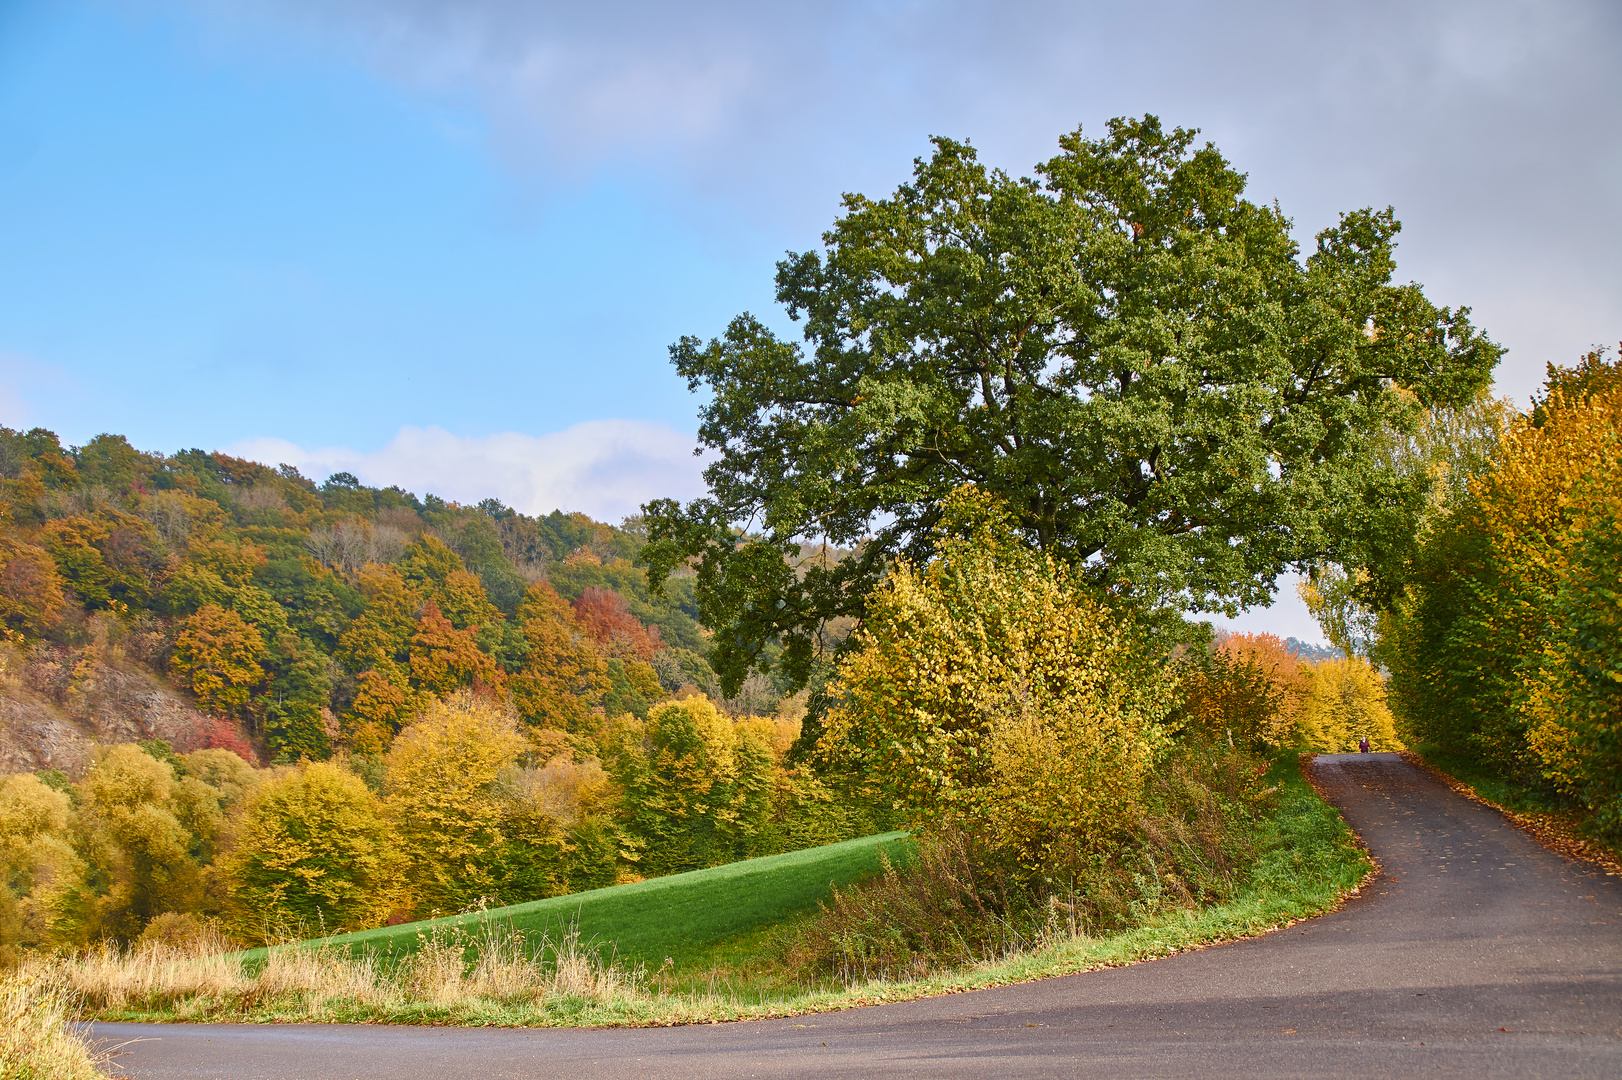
604,614
1249,688
443,657
220,657
30,588
563,676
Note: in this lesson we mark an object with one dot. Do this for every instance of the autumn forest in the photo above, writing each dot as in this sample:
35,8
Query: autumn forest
313,622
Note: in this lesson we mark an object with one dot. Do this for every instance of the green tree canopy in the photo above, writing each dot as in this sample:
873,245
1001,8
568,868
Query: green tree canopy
1124,349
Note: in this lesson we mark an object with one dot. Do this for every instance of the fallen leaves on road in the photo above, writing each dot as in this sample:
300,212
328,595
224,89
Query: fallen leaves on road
1551,830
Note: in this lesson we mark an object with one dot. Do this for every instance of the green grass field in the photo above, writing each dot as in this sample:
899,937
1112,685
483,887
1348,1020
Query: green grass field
682,916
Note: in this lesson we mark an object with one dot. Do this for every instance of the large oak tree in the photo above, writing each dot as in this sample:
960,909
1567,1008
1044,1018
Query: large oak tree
1126,350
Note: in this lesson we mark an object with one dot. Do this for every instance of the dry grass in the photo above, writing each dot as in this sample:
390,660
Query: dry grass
451,973
936,912
35,1041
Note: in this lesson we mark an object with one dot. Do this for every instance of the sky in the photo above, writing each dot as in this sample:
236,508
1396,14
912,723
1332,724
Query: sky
447,243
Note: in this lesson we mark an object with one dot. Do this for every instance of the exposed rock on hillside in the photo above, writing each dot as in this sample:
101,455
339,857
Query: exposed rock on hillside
57,704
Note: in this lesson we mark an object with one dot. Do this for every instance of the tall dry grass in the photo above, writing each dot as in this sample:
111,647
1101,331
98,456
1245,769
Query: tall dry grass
36,1042
449,972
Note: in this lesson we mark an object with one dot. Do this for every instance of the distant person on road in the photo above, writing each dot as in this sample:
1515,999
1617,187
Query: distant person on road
1363,744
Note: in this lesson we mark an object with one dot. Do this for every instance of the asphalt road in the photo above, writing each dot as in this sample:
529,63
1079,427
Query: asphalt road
1477,953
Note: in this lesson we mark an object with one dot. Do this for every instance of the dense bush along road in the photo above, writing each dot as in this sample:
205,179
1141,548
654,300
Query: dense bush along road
1476,953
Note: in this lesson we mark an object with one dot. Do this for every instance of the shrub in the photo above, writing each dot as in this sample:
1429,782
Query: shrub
184,931
1247,689
313,852
938,909
991,691
947,907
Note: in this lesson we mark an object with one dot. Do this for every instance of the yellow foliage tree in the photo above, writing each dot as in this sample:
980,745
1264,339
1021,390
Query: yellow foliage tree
437,573
232,778
141,830
38,867
1574,679
440,787
313,854
30,588
1502,647
382,634
1345,702
72,542
220,657
384,700
987,688
697,784
233,564
462,600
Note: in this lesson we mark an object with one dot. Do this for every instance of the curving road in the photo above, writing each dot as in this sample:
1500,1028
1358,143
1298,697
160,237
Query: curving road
1477,953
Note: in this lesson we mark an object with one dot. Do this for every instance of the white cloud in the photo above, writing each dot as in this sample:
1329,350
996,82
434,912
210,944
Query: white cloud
14,410
604,468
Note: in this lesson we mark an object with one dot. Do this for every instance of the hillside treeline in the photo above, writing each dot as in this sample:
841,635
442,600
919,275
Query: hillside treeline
1506,646
332,623
323,617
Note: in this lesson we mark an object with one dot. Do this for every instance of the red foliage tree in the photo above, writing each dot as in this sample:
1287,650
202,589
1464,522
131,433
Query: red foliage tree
604,614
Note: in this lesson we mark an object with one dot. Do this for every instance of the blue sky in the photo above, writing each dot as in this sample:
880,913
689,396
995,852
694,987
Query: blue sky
447,244
211,243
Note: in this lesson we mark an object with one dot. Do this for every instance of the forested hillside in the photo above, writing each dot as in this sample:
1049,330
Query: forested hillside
315,617
237,695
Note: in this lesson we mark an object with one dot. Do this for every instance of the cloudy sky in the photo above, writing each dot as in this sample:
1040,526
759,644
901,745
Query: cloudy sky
445,243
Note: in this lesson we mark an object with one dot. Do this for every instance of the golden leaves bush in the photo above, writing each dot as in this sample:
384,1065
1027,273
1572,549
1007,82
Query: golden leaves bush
989,689
313,853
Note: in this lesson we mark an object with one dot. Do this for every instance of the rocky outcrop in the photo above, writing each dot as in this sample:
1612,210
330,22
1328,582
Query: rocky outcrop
57,706
34,735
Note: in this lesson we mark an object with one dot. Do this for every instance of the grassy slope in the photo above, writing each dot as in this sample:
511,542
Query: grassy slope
681,916
1312,862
